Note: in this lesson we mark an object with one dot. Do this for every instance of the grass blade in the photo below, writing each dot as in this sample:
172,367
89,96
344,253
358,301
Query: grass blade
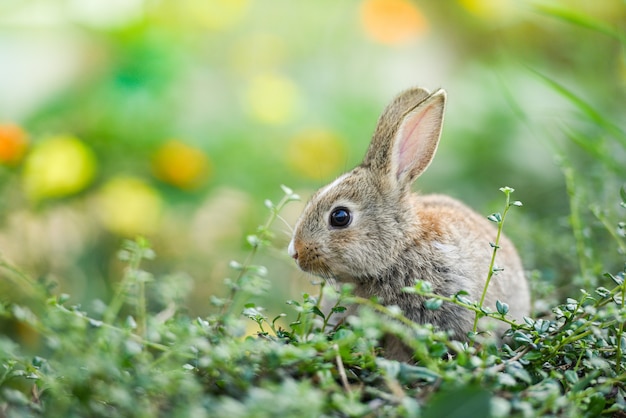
581,20
584,107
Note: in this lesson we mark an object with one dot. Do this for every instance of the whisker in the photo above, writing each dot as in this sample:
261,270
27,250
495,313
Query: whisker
289,227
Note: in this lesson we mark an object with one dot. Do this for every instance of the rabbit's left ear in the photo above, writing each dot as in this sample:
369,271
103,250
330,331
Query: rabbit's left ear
417,138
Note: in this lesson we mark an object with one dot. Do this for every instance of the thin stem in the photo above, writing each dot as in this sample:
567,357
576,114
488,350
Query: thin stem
576,222
621,243
620,333
22,280
477,310
341,369
141,308
156,346
496,245
118,299
263,234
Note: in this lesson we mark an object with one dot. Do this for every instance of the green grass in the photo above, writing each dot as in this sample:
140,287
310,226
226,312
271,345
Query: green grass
142,356
140,353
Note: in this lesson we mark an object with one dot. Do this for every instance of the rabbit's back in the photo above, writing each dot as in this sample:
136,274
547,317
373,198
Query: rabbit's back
462,237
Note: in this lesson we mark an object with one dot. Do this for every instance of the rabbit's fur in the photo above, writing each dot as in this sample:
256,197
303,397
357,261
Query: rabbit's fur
394,237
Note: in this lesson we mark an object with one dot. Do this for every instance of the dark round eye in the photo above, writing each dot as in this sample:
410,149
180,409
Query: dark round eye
340,217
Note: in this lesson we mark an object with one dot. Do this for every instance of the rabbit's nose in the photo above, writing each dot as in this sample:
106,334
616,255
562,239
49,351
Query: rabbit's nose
291,250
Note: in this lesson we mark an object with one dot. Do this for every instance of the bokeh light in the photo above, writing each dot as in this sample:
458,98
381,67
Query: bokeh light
272,98
13,144
496,11
392,22
57,167
316,154
181,165
216,14
128,206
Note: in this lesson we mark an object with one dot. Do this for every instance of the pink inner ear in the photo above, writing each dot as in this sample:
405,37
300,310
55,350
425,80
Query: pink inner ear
417,142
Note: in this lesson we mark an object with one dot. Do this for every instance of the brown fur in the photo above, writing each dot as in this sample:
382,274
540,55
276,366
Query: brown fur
397,237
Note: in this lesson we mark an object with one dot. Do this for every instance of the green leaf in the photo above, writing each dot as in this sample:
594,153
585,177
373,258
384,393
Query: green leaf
495,217
571,376
580,19
521,337
433,304
409,374
466,401
617,279
583,106
502,307
542,326
422,286
317,312
253,240
286,190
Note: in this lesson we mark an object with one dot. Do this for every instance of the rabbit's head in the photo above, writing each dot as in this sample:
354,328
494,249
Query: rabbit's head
356,227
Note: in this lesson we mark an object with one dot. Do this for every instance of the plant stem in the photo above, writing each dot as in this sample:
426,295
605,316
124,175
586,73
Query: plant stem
141,308
577,225
263,234
137,250
621,243
620,333
507,192
160,347
24,282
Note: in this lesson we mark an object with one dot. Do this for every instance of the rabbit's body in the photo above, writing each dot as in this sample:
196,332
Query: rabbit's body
367,228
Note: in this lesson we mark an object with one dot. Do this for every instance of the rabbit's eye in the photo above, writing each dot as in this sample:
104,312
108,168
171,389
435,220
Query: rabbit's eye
340,217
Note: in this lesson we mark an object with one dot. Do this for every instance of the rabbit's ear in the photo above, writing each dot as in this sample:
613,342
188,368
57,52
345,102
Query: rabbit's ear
407,136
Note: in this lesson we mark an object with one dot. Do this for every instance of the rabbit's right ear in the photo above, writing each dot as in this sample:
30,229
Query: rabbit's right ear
407,136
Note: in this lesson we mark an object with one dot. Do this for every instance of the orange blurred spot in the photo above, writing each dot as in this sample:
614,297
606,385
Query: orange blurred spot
392,22
13,143
180,165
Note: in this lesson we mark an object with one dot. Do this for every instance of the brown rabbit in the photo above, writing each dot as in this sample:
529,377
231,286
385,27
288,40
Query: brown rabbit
369,229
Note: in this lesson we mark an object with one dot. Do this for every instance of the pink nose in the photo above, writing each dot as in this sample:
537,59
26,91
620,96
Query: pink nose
294,255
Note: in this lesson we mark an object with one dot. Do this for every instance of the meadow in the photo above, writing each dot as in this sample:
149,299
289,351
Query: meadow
155,155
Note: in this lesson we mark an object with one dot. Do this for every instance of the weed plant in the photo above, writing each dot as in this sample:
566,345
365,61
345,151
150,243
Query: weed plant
127,358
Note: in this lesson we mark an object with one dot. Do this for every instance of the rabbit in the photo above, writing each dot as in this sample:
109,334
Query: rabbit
368,228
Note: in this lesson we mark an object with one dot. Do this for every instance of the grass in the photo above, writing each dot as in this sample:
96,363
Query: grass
131,358
141,354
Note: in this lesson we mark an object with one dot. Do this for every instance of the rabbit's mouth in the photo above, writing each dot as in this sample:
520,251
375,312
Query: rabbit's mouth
310,259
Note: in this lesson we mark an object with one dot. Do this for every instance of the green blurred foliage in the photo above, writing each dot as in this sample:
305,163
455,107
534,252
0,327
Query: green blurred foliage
196,111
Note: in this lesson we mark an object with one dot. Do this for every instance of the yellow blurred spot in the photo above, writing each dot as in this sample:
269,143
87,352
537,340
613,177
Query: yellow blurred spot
316,154
57,167
13,143
180,165
271,98
392,22
495,10
216,14
258,52
129,207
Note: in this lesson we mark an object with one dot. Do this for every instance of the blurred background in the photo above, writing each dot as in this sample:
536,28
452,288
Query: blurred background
176,119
